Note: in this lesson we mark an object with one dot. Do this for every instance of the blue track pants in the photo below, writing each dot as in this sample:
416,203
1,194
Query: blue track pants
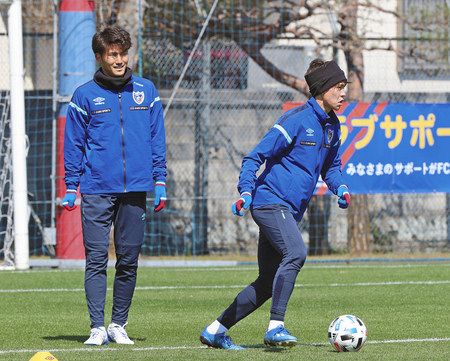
127,212
281,255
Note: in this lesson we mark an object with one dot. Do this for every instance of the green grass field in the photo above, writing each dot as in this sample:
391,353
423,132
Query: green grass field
406,308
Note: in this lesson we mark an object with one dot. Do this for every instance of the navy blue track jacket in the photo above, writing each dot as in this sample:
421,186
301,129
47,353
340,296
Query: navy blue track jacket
115,140
302,145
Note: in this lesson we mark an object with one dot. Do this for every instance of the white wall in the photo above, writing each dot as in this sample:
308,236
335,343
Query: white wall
38,59
381,67
4,55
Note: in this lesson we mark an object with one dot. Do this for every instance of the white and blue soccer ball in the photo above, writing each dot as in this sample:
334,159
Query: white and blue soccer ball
347,333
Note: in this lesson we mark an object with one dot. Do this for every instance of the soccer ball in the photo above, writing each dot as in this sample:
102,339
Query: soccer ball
347,333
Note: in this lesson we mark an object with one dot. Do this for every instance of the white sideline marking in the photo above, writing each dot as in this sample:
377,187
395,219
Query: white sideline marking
305,268
391,283
407,340
378,342
206,287
406,265
308,266
171,348
104,349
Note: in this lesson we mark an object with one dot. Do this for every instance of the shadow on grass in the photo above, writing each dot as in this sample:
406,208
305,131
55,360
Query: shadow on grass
73,338
254,346
313,345
79,339
264,348
278,349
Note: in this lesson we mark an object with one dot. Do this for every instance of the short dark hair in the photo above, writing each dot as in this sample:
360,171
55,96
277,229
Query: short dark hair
110,35
315,64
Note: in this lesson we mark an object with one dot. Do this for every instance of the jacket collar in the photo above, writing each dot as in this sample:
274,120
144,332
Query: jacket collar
323,117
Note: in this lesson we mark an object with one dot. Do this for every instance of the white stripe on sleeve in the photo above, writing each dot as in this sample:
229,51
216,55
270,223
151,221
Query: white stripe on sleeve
73,105
283,131
154,101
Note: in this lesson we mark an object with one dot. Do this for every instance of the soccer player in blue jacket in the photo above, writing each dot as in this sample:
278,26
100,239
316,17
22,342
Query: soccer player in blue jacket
301,146
115,151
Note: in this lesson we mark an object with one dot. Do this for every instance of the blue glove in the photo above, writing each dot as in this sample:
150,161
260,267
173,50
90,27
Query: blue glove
68,202
160,196
242,204
344,196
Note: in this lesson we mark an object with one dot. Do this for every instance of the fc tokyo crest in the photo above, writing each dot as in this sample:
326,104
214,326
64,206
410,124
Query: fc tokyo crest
330,135
138,97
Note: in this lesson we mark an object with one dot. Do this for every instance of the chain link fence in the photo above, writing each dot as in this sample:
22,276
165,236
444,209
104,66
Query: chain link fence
224,69
233,90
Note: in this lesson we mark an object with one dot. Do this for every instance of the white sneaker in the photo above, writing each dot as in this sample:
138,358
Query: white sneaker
98,337
118,334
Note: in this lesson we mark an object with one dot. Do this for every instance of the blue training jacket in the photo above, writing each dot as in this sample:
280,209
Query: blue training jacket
303,144
115,140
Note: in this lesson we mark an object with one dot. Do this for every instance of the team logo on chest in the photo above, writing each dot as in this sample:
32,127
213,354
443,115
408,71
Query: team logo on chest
330,134
138,97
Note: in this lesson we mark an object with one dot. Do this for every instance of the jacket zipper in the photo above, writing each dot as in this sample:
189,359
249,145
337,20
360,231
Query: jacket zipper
123,145
318,160
320,151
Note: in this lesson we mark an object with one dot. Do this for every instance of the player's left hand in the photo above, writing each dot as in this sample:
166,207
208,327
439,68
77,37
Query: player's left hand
68,202
344,196
160,196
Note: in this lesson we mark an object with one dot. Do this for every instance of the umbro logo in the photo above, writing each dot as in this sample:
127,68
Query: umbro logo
99,101
310,132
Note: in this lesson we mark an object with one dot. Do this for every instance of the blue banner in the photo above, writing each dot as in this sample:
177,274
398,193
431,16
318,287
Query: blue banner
394,147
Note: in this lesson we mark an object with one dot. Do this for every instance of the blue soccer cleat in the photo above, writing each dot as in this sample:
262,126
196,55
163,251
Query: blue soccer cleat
219,340
279,336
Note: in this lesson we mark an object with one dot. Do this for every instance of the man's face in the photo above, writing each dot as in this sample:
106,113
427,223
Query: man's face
113,61
334,97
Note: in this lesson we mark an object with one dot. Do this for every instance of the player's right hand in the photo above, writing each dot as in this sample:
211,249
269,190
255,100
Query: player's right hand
242,204
160,196
344,196
68,202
